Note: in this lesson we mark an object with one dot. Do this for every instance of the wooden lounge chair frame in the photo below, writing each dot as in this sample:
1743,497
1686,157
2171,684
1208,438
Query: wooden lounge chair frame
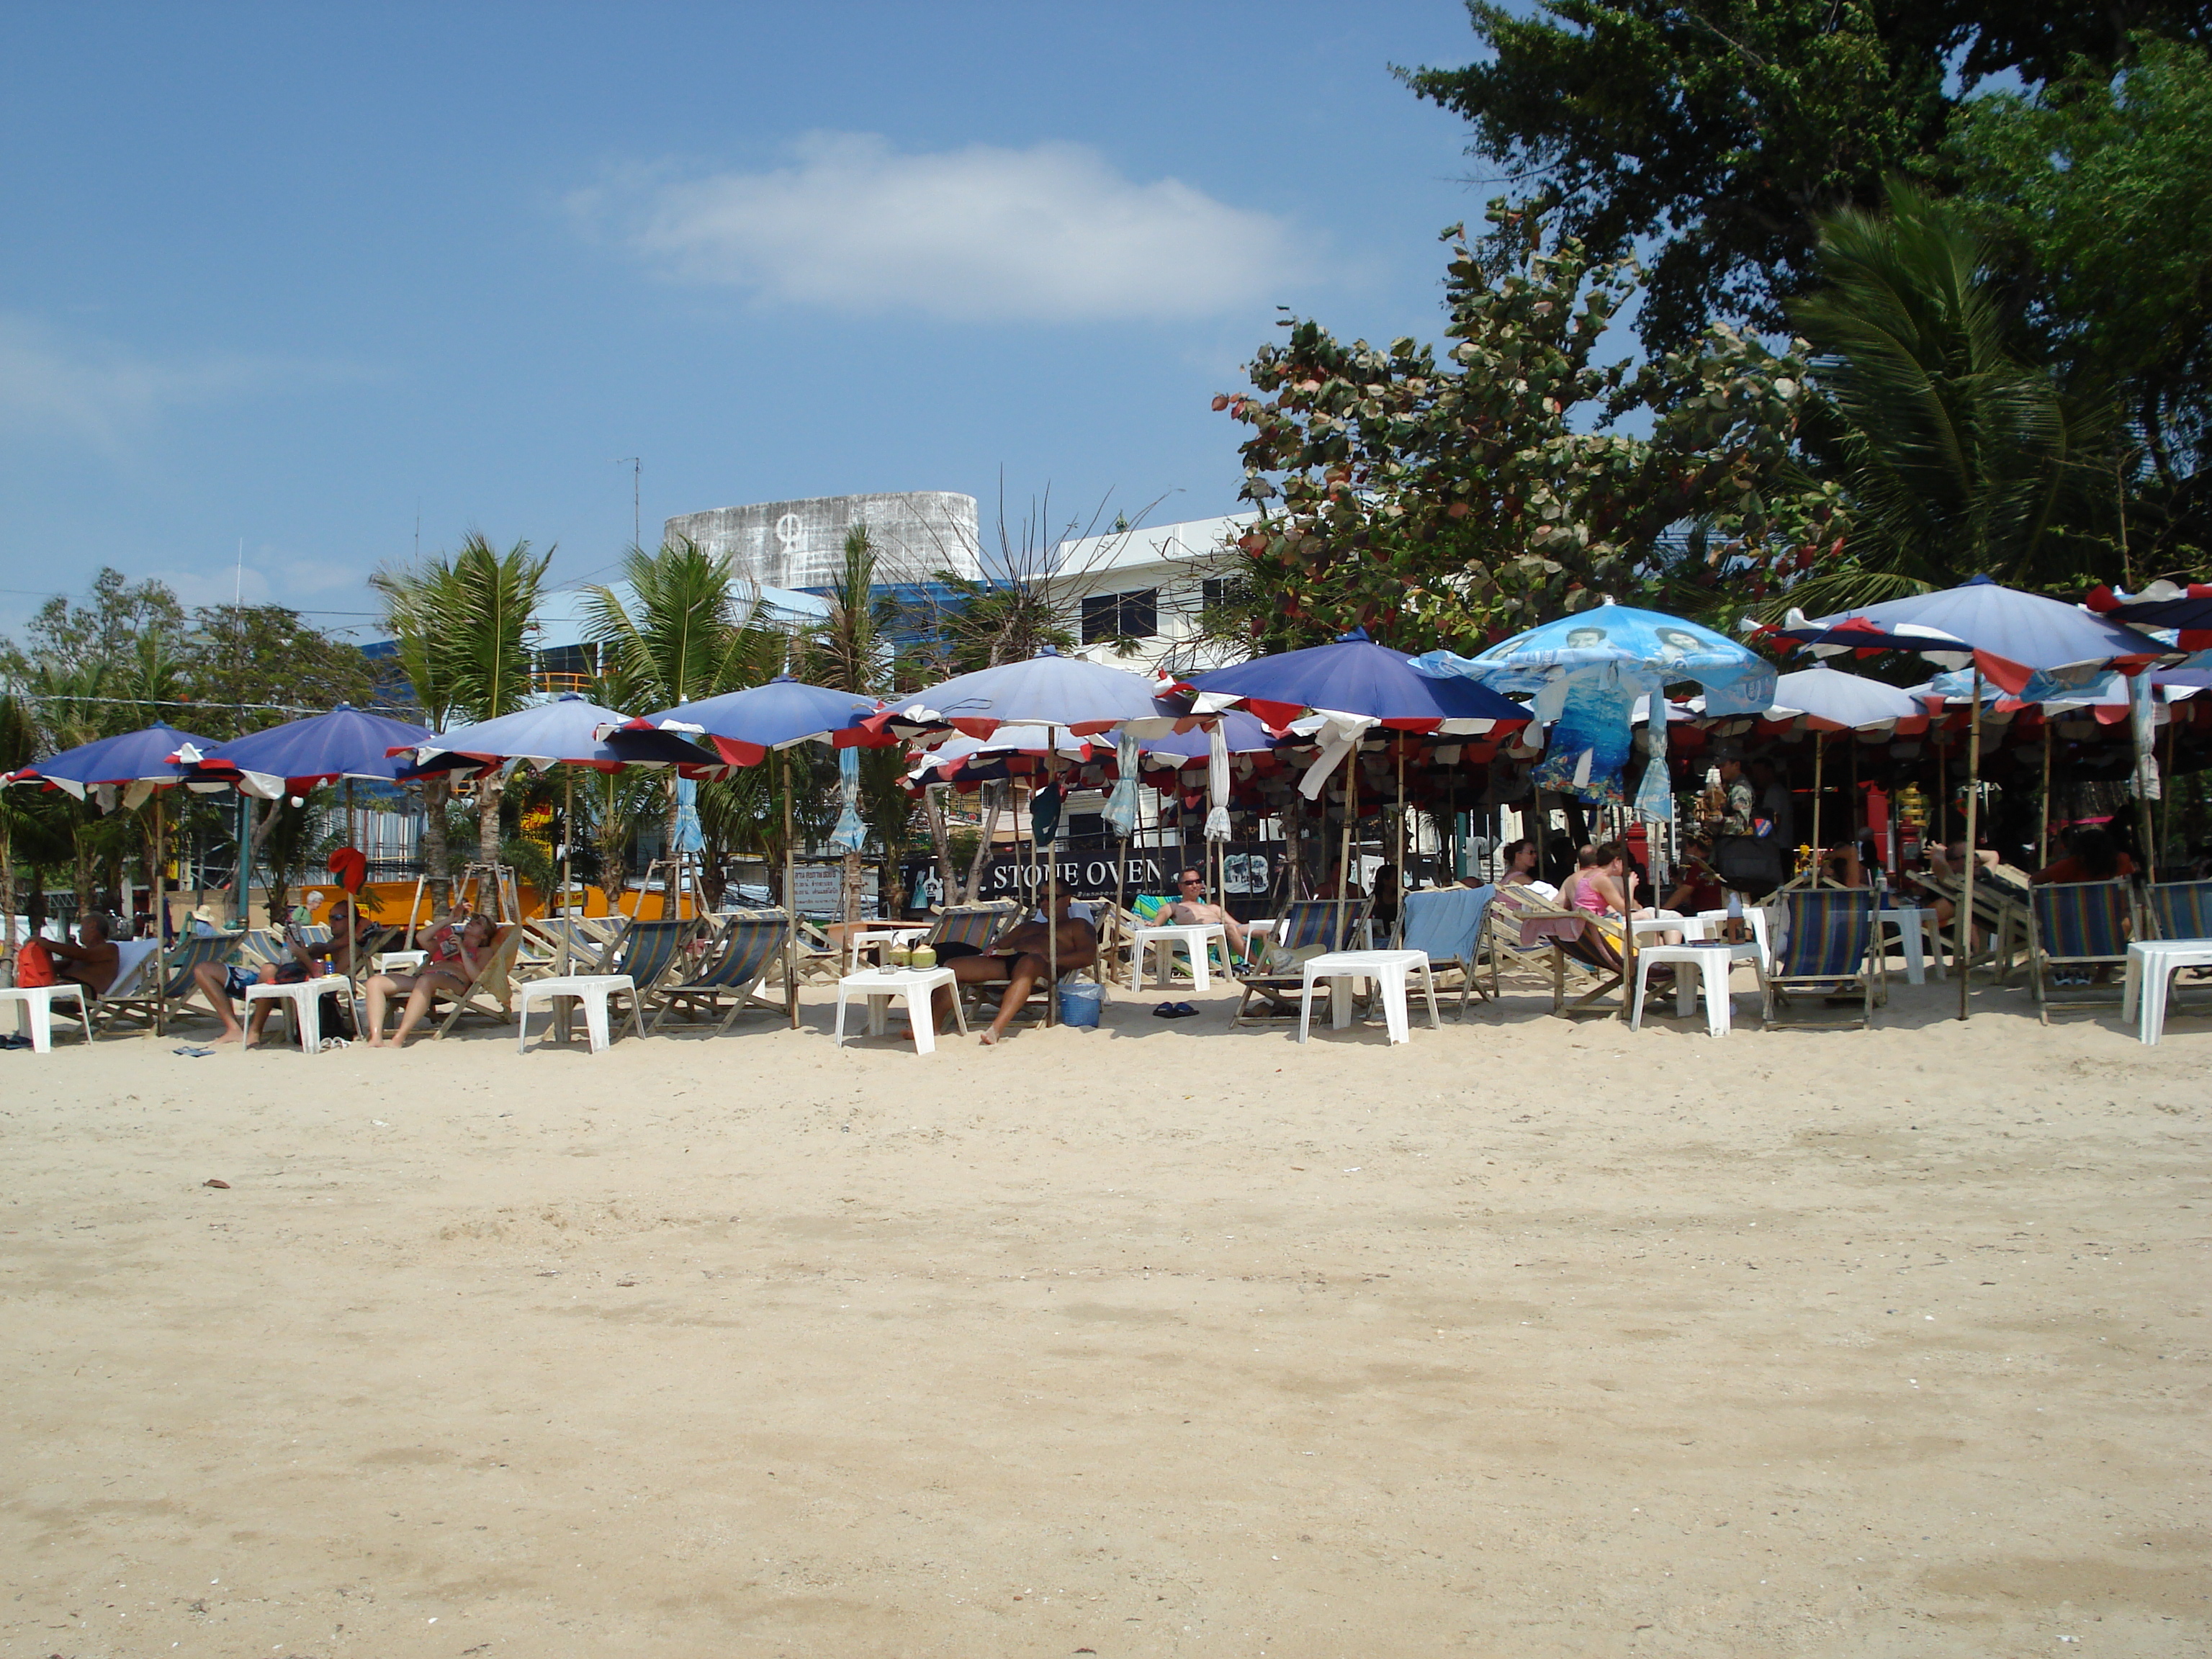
2116,899
1869,976
747,946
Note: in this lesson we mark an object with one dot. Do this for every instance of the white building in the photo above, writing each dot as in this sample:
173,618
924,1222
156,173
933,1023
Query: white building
1148,586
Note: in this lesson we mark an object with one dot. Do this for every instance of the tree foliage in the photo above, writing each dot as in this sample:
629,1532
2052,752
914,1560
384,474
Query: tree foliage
1448,502
1721,130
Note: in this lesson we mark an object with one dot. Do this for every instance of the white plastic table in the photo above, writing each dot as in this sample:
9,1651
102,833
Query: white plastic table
1193,936
1387,969
2152,964
302,997
592,991
1920,933
34,1005
1711,961
914,986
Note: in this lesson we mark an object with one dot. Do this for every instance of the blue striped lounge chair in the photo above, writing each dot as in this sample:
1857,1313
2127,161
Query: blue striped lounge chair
749,946
1829,951
1307,924
1446,923
2076,926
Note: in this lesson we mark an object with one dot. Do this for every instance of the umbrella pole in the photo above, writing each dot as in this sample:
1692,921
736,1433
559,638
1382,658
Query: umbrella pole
2042,827
1343,859
790,907
1973,802
1819,753
161,917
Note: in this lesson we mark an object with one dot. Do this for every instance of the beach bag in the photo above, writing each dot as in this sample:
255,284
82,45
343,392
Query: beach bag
34,965
334,1017
1750,864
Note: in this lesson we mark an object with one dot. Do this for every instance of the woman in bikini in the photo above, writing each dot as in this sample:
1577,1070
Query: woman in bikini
456,956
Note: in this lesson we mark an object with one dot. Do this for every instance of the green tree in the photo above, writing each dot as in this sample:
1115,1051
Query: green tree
2101,186
686,632
461,623
1958,455
1449,503
1720,131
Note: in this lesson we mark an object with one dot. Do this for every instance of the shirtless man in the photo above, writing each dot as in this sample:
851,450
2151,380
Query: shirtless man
1192,908
1018,958
92,962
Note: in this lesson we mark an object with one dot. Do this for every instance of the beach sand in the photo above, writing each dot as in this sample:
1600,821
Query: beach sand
1527,1338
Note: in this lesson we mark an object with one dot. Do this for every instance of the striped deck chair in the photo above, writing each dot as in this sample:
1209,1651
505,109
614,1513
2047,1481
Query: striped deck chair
157,993
1447,923
1309,926
491,993
1828,951
749,944
2178,909
2077,925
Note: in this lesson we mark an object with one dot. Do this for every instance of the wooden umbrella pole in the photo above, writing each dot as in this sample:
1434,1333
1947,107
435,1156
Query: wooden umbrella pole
1973,804
790,907
1343,859
2043,828
161,919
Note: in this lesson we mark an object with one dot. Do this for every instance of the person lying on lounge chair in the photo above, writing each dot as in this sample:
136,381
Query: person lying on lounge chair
1018,958
456,956
221,986
1192,908
92,962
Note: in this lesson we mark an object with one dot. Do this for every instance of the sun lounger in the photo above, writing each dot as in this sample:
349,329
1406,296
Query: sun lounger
1447,923
748,944
2077,926
490,992
1308,926
1829,949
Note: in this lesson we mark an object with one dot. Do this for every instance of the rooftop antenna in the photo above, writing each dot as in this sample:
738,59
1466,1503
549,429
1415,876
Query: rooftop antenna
637,515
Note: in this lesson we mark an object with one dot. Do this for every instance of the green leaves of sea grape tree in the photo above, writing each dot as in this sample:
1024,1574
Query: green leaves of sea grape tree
1450,502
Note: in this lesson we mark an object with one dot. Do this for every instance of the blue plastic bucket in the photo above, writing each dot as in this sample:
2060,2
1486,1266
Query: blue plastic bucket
1079,1003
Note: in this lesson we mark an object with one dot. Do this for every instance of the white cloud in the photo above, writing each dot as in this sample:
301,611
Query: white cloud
58,385
1051,232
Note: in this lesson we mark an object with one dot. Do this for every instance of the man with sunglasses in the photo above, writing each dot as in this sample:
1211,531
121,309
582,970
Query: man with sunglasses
1191,908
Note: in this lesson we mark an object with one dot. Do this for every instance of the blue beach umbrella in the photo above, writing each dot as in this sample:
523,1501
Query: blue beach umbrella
295,757
1585,672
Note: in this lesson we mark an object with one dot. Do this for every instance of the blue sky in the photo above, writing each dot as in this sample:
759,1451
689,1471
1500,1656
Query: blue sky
291,276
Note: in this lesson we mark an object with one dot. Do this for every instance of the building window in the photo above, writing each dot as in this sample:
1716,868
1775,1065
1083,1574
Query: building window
1121,615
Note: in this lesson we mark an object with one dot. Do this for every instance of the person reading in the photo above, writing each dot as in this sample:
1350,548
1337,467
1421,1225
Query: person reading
1191,909
1018,958
455,956
221,986
92,962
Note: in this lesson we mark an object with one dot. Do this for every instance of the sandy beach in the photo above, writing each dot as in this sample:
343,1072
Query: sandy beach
1527,1337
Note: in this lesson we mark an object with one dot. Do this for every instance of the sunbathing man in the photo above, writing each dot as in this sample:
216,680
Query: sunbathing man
1018,958
456,956
1192,909
92,962
221,985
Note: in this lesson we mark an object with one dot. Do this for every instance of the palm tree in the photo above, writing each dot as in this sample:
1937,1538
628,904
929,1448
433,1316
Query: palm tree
1958,456
688,631
462,627
850,650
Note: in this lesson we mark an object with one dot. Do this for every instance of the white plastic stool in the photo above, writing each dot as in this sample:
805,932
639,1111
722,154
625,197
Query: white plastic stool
300,999
2152,964
592,991
35,1011
913,986
1193,936
1711,961
1389,971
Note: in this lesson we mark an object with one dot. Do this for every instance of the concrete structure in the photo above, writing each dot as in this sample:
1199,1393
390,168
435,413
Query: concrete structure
1148,584
801,544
